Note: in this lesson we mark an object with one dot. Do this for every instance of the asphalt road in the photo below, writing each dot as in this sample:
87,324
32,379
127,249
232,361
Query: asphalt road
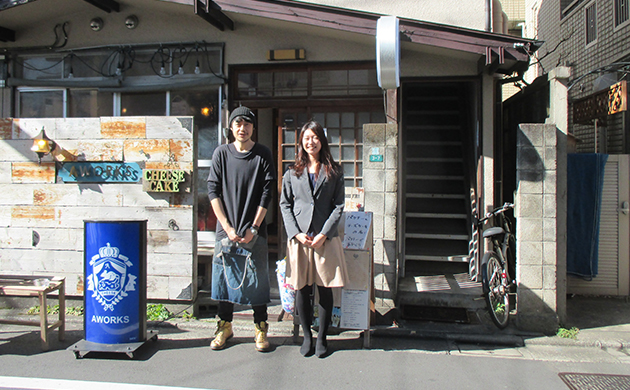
181,358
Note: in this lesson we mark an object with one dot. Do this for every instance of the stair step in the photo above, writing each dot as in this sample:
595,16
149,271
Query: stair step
434,112
433,127
432,143
435,196
437,236
435,160
434,177
435,215
453,258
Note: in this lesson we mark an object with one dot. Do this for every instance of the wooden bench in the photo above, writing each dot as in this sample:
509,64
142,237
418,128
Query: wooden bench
39,286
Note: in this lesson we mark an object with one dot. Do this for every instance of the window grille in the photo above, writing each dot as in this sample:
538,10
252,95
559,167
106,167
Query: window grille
622,13
591,23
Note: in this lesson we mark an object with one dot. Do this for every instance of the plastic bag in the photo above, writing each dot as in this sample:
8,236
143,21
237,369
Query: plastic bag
287,293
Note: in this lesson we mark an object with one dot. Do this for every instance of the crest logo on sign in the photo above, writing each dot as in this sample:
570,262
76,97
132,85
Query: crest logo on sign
109,279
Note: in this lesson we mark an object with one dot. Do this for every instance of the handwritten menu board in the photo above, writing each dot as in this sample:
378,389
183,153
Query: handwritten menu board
356,229
355,309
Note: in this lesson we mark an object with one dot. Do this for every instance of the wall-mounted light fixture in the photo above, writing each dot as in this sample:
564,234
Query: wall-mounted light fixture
286,55
96,24
42,145
131,22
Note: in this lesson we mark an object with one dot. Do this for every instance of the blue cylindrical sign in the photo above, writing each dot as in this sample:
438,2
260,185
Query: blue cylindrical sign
115,275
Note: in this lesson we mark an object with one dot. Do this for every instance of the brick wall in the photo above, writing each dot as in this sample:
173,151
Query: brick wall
34,202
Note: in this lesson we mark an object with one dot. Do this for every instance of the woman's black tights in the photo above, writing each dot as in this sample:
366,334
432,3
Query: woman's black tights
305,312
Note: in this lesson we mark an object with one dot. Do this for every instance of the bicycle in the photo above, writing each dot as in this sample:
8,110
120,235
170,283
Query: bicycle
498,266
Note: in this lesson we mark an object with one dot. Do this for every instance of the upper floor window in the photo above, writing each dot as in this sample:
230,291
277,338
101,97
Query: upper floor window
568,6
591,23
300,81
621,14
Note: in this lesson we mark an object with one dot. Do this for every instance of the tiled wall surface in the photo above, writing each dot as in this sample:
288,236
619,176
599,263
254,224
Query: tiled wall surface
540,209
34,202
381,198
565,45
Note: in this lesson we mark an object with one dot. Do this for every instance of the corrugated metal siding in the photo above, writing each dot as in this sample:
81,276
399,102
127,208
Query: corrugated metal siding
607,280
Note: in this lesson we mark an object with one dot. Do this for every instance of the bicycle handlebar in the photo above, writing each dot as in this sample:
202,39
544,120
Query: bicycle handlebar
497,211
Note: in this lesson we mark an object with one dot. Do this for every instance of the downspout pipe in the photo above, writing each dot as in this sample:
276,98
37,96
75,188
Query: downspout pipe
489,15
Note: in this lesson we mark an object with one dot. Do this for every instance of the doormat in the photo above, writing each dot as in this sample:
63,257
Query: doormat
577,381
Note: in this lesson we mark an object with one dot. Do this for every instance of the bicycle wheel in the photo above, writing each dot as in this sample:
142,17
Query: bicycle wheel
495,294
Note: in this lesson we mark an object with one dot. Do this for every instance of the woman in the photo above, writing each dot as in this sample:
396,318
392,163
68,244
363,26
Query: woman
312,203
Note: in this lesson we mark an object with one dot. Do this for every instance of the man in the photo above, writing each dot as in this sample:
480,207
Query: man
240,189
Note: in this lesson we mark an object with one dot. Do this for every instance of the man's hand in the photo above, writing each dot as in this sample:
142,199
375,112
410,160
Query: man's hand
248,237
231,232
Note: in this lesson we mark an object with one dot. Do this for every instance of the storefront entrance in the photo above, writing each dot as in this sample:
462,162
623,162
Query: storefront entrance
438,185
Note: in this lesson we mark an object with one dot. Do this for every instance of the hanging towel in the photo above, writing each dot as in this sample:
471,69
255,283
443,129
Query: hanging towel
585,181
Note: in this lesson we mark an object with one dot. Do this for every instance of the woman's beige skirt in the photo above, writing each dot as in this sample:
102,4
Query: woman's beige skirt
325,266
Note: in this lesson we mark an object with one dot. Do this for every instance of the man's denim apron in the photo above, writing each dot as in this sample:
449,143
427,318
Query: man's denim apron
240,272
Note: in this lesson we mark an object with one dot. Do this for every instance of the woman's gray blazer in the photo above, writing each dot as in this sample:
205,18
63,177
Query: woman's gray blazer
318,210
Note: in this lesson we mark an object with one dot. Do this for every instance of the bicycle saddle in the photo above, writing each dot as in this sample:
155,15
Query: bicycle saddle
493,231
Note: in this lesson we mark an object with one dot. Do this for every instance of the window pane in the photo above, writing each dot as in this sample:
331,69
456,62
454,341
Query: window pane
264,84
189,60
330,82
203,106
41,68
143,104
320,117
90,103
41,104
334,150
86,66
332,120
206,220
360,169
144,64
291,83
347,153
347,119
364,117
347,136
255,84
288,153
289,136
302,119
333,136
348,169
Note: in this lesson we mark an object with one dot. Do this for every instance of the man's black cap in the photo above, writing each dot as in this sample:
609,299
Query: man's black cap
244,113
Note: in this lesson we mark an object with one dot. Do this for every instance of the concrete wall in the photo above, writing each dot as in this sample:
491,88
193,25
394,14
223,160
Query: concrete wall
540,212
381,198
33,200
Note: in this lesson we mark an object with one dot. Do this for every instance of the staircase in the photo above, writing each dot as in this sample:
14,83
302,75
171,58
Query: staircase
437,135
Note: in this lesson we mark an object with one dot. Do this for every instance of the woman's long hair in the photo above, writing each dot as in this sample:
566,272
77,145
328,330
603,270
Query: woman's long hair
328,164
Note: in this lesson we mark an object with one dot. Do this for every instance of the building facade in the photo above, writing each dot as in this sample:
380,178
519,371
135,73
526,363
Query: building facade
593,39
423,152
